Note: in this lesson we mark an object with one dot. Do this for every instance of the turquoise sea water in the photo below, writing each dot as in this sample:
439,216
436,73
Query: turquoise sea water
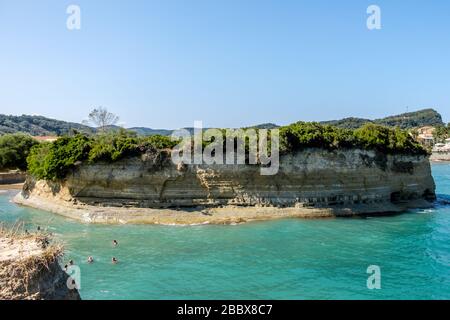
285,259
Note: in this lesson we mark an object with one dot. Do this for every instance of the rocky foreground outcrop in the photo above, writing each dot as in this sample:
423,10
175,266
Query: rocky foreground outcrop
310,183
29,269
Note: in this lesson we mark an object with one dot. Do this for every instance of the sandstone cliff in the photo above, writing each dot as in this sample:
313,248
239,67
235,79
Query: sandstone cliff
312,182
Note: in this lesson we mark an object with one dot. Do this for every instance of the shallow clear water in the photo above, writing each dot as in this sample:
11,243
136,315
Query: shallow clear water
285,259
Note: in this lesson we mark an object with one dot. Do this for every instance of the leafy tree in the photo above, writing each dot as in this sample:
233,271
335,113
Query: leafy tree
14,150
37,161
55,161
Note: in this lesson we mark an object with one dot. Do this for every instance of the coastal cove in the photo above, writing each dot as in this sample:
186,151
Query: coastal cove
279,259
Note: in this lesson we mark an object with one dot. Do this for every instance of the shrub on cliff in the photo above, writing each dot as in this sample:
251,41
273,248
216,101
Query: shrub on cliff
53,161
387,140
113,146
117,145
157,142
14,150
36,160
302,135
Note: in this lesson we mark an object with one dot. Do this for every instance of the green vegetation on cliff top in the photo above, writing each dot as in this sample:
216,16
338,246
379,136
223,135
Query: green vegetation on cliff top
55,160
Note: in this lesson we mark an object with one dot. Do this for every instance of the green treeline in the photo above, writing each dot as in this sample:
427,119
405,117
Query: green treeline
55,160
369,137
14,150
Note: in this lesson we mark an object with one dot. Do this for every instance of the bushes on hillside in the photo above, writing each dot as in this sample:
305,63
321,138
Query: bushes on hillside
14,150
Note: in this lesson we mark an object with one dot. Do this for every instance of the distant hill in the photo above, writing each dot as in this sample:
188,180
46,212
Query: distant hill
142,131
426,117
38,125
266,126
42,126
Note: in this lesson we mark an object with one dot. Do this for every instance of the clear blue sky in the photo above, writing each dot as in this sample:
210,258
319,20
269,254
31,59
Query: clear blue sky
164,64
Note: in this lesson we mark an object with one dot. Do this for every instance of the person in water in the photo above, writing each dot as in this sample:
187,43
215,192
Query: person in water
115,243
90,259
70,262
114,260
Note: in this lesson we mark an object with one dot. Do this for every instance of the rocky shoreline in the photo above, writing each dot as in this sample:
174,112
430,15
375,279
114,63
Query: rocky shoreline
30,269
227,215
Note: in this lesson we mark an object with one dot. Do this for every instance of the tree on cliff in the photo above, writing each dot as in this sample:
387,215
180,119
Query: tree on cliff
14,150
102,118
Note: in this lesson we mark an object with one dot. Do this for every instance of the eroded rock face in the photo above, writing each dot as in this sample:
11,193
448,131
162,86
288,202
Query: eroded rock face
30,270
311,178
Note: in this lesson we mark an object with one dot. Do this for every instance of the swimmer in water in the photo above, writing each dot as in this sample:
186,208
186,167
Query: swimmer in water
114,260
70,262
90,259
115,243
